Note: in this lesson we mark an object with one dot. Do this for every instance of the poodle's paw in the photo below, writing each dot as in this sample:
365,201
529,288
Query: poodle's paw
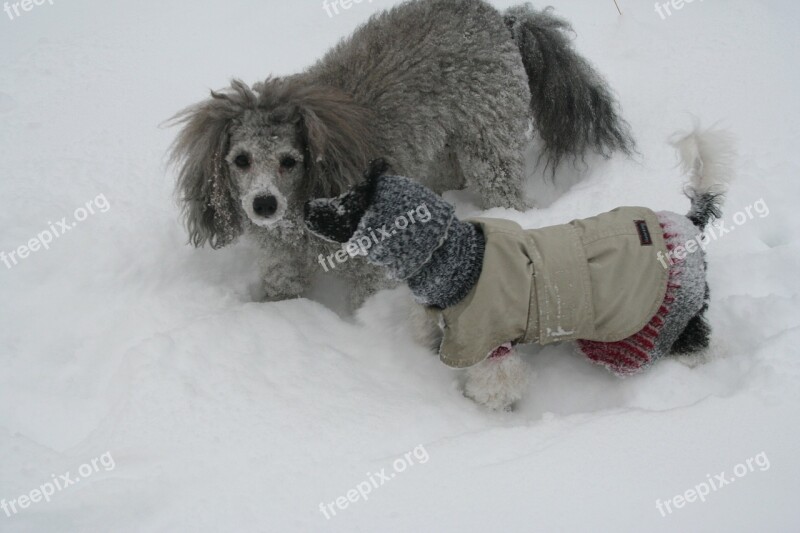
288,290
498,381
521,204
509,200
283,282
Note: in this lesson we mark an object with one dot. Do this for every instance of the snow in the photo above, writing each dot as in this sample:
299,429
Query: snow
223,413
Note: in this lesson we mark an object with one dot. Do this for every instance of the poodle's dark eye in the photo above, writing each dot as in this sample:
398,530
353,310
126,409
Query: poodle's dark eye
242,161
288,161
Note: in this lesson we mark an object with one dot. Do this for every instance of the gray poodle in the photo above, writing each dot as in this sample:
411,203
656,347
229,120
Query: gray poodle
441,88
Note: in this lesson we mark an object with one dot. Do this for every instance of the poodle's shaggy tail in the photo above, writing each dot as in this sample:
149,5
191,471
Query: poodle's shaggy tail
707,156
573,108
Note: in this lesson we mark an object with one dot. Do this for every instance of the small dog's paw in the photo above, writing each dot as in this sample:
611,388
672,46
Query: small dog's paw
498,382
715,350
691,360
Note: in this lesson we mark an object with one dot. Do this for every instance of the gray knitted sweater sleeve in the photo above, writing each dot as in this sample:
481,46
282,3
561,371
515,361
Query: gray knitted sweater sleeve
453,269
422,242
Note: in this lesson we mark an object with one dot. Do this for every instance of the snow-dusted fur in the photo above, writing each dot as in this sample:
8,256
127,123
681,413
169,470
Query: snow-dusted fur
440,88
498,382
573,108
707,156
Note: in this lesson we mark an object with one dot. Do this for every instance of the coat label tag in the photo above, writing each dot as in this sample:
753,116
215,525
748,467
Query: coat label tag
644,233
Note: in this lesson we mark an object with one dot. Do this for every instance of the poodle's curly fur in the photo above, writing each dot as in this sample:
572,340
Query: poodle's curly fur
444,89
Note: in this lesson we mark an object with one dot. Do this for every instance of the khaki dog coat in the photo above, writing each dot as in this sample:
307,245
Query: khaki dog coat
596,279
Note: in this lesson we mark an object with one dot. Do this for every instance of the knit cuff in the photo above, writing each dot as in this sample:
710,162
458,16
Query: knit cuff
453,269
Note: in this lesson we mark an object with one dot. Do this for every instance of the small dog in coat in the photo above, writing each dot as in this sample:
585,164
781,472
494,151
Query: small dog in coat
446,89
620,284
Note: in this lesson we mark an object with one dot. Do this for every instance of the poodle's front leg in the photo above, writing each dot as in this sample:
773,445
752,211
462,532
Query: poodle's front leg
366,282
285,271
498,381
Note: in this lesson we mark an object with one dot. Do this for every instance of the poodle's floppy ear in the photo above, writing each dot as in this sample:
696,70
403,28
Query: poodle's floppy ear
204,185
339,138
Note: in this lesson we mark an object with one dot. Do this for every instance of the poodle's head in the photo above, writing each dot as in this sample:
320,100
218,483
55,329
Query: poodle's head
255,156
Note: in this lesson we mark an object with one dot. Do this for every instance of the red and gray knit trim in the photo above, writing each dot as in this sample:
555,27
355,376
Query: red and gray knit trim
633,354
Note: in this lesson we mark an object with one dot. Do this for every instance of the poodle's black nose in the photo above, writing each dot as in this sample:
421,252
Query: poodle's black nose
265,206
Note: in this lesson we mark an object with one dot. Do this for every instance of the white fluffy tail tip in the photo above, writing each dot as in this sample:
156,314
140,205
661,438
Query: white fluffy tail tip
707,156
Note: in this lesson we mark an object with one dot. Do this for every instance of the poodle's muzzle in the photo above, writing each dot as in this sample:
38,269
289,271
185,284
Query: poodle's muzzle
264,205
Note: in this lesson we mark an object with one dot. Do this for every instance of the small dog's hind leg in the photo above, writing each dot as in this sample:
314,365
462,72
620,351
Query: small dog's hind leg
695,337
691,346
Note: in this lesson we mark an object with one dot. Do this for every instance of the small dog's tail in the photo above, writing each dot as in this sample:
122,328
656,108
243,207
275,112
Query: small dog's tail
707,157
573,109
